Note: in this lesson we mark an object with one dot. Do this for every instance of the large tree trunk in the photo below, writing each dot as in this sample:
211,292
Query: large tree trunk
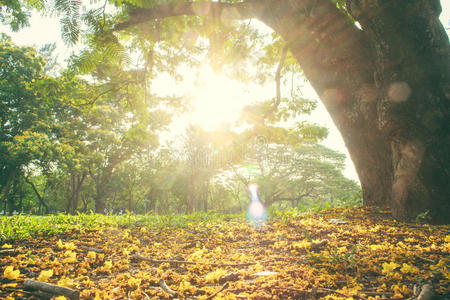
412,70
387,89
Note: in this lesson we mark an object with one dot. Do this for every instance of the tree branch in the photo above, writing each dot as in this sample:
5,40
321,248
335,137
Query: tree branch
238,11
37,194
166,288
299,197
183,262
52,289
278,82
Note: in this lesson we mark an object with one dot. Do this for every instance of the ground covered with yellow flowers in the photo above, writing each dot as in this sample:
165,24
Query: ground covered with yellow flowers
333,254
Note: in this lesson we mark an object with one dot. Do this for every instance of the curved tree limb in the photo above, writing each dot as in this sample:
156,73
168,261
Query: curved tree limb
278,82
238,11
27,179
278,75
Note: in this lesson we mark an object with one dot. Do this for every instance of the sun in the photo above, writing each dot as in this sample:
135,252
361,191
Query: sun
216,99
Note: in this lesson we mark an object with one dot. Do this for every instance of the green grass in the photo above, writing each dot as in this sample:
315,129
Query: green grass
21,227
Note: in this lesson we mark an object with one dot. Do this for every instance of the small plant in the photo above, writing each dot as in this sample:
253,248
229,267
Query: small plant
347,257
423,217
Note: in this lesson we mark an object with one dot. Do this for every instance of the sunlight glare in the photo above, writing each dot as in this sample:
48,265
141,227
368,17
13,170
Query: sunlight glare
217,99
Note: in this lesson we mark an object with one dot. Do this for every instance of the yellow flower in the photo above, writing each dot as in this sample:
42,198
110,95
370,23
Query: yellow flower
376,247
7,246
70,256
214,276
301,245
60,244
134,283
396,276
197,254
409,269
186,286
10,273
388,268
400,291
91,254
440,264
108,264
67,282
45,275
67,246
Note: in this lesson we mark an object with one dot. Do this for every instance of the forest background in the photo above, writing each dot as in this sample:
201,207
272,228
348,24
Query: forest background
115,134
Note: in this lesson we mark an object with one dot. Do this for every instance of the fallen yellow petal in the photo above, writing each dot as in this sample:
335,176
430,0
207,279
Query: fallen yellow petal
10,273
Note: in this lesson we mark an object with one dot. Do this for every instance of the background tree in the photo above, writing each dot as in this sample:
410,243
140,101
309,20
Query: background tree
34,112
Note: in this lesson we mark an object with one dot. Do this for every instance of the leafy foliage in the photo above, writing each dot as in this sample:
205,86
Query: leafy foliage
14,14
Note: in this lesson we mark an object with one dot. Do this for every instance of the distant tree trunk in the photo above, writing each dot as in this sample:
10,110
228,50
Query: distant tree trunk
70,185
100,199
7,188
191,195
20,203
76,184
85,202
100,195
130,200
205,196
40,199
19,189
151,200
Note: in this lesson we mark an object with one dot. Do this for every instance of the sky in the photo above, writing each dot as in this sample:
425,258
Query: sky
44,30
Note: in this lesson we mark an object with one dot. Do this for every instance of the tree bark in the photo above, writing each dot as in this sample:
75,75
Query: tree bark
76,183
386,87
100,195
6,189
100,198
412,71
130,200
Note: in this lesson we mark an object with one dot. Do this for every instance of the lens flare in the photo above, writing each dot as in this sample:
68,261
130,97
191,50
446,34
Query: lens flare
256,214
256,209
253,188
